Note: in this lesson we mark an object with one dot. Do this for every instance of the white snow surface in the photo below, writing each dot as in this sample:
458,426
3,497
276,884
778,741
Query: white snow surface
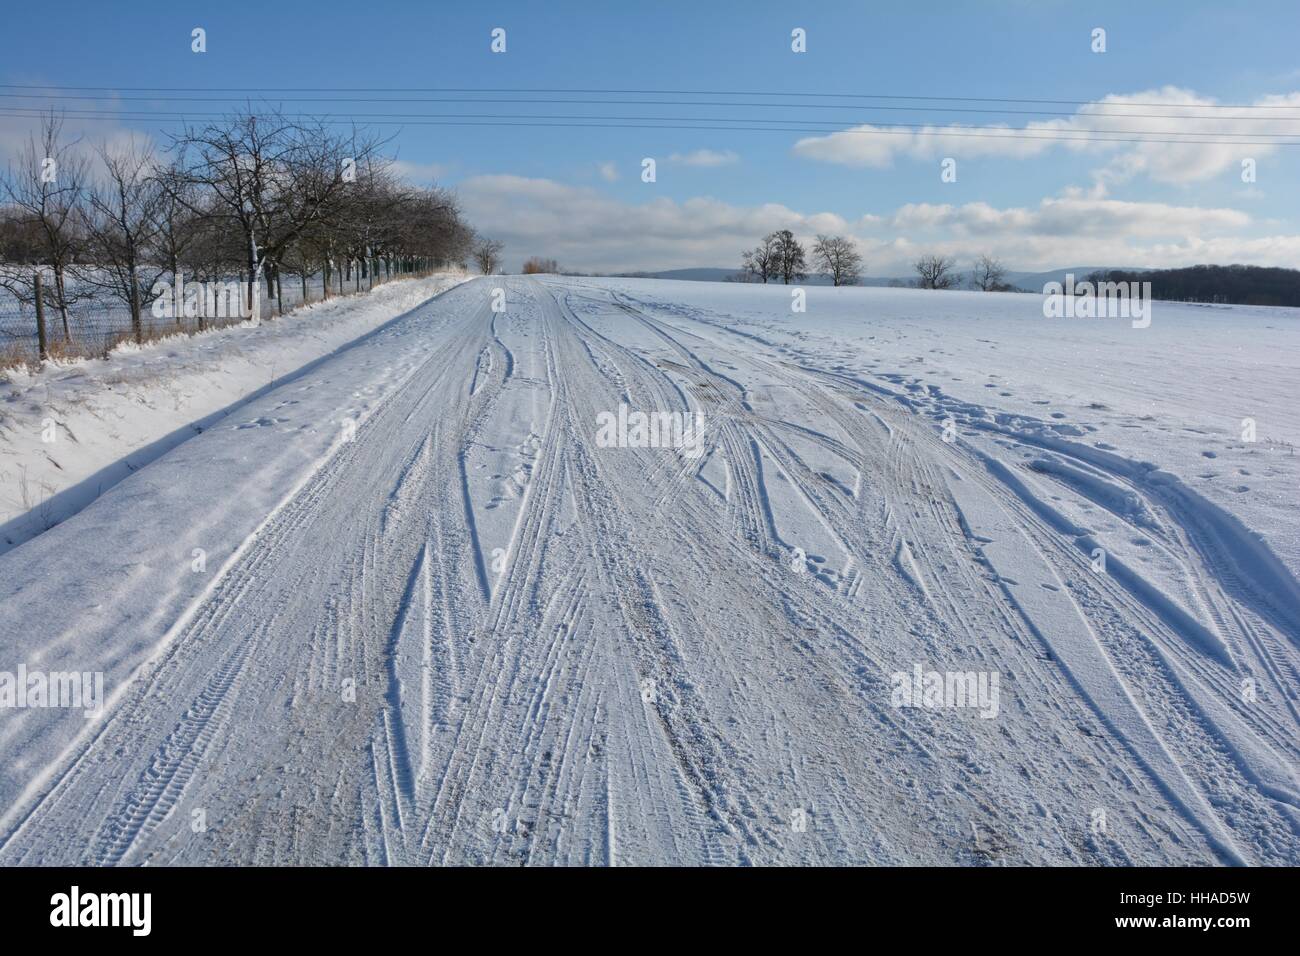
78,427
401,605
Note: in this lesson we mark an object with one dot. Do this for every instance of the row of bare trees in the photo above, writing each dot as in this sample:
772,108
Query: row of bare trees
540,265
257,194
781,256
940,272
778,256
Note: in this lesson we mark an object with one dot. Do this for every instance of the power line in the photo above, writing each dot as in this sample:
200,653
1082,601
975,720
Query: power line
959,132
691,103
611,92
807,125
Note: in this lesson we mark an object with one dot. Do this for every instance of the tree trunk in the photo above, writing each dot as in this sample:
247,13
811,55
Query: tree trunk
254,281
178,292
137,327
60,290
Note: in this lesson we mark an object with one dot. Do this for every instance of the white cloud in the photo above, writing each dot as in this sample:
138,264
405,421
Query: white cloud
586,230
608,172
705,157
877,146
893,256
419,173
83,140
1162,114
1071,216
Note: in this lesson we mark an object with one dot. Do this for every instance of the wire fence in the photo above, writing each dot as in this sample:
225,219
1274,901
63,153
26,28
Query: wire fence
94,322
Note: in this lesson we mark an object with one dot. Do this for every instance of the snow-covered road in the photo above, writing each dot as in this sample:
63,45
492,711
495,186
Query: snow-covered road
439,619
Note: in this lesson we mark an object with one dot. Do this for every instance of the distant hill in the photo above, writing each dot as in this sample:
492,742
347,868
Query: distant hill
1230,285
1034,281
1028,281
723,275
689,275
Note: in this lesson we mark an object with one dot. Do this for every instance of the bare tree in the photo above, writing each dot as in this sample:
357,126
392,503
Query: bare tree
304,257
536,265
838,258
208,251
257,193
46,190
121,222
487,256
988,274
20,241
763,261
434,231
271,179
792,260
178,228
368,216
935,272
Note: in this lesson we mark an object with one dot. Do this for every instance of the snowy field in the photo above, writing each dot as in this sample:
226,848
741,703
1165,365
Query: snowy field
438,598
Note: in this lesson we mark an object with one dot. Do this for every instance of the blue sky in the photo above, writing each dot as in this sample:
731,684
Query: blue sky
577,194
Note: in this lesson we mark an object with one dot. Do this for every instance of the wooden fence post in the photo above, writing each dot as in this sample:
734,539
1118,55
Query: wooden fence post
41,343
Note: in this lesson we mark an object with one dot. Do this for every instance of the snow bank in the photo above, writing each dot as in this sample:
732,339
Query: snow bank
150,549
77,428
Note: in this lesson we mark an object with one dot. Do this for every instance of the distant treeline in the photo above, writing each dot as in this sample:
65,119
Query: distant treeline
1230,285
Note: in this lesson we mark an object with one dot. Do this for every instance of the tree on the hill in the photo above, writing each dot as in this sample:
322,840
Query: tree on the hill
935,272
988,274
761,262
837,257
791,259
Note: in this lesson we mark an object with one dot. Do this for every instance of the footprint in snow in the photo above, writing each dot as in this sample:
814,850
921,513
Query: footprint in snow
262,422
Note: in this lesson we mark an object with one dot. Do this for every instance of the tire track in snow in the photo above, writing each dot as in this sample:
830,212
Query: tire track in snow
645,679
